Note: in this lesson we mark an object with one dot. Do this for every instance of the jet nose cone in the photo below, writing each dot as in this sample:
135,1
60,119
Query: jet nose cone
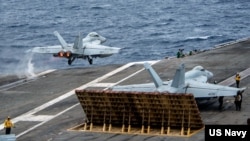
209,74
103,39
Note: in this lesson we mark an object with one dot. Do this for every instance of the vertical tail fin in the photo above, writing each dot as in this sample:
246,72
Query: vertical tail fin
61,40
78,41
179,77
157,80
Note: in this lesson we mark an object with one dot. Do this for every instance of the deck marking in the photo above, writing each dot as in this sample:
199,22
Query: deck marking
32,128
24,81
230,81
35,117
102,85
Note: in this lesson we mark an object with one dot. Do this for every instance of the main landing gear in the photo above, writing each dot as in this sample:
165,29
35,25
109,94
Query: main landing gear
90,60
70,60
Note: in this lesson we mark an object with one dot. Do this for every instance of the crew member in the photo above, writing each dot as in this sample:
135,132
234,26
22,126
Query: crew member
237,79
178,54
8,125
238,100
221,102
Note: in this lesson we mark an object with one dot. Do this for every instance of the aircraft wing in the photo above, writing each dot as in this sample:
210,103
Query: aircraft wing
203,90
95,49
47,49
198,74
147,87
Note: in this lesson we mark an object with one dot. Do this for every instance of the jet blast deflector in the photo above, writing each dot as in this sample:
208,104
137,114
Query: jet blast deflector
129,112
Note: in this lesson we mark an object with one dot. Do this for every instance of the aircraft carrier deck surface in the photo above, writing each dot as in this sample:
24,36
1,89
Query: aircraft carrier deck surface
46,107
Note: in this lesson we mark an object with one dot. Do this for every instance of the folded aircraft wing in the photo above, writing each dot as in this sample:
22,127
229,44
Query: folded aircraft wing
199,74
202,79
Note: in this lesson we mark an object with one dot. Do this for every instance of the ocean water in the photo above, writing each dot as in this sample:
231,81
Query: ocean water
145,30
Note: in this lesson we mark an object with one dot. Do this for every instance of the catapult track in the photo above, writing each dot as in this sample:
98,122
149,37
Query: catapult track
139,112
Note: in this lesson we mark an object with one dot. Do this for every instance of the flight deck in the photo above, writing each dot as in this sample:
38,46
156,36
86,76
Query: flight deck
46,107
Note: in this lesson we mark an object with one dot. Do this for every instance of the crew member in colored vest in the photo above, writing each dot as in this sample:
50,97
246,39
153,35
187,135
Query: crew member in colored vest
8,125
237,79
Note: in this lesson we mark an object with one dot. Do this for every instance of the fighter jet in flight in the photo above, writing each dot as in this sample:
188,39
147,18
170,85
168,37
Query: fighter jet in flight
192,82
86,48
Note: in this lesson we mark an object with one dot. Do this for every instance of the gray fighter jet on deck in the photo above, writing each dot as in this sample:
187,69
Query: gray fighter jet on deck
86,48
192,82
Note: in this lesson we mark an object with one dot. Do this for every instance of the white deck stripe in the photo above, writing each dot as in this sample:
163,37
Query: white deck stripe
23,81
102,85
230,81
35,118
